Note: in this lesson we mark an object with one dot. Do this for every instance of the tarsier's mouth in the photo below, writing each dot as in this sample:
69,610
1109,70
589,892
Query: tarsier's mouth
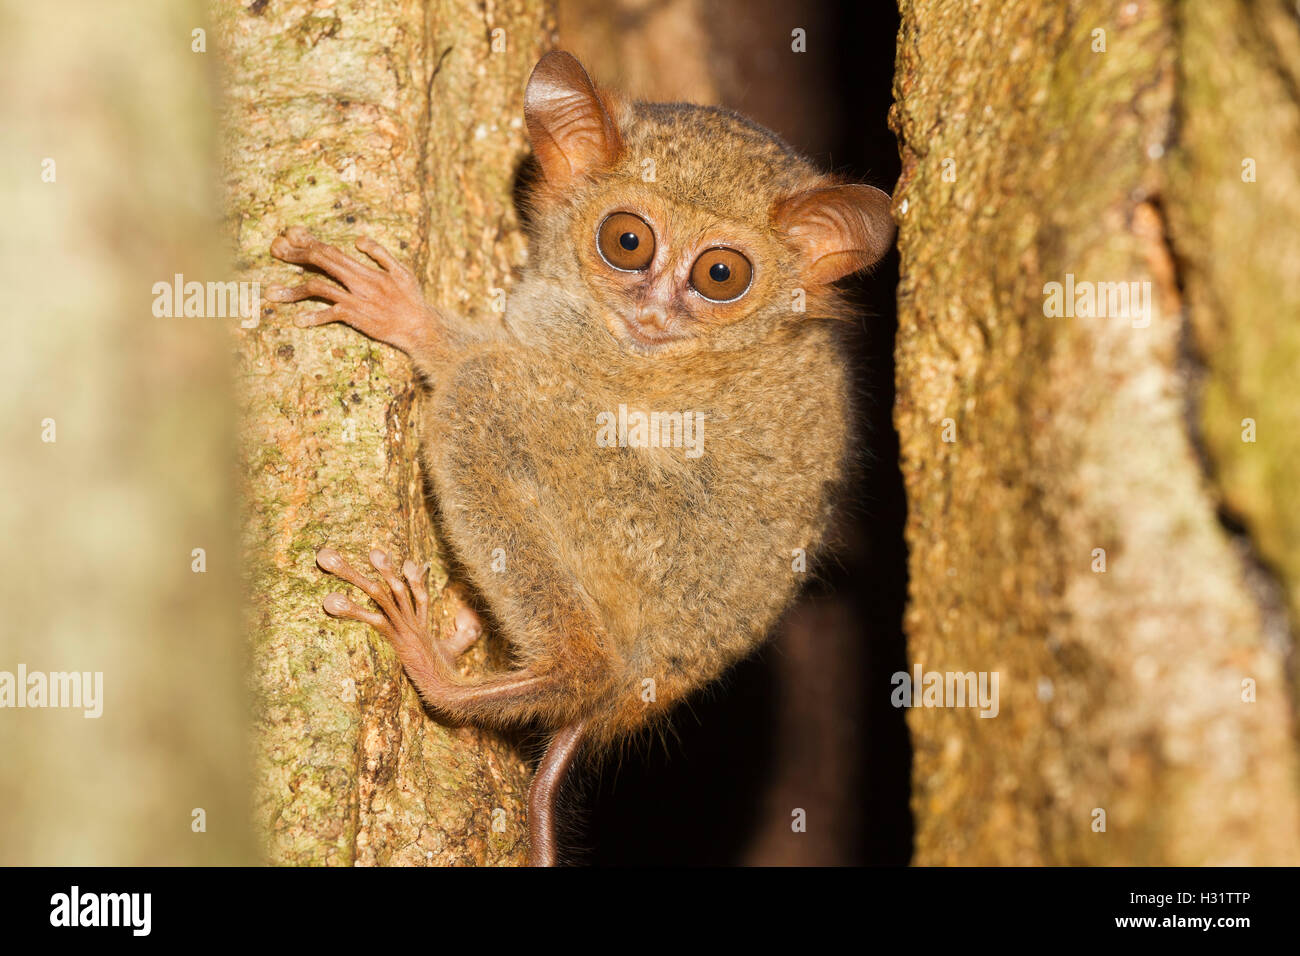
643,338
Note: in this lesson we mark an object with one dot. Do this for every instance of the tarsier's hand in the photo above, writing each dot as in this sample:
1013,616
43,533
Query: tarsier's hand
384,304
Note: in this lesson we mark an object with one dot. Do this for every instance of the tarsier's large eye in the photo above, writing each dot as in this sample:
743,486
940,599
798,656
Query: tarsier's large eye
721,274
626,242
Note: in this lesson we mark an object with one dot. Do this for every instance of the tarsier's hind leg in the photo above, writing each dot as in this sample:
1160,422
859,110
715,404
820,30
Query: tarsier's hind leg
403,618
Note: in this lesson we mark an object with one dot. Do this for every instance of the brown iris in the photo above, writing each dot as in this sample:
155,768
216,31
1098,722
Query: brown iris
721,275
626,242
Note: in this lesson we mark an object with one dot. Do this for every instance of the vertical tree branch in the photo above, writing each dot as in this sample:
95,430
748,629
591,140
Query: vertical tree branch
401,122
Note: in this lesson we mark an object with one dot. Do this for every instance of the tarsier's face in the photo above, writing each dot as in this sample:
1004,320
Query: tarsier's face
686,227
665,275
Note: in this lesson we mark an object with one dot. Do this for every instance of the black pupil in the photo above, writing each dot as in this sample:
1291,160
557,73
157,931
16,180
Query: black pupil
718,272
629,241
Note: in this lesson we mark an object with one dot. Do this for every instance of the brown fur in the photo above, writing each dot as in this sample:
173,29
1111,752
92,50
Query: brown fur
624,564
627,564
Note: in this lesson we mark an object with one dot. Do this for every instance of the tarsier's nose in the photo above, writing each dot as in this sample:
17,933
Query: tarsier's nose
652,319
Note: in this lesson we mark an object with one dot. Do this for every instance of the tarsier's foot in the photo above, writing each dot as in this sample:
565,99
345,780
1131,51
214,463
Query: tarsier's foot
385,304
403,601
403,618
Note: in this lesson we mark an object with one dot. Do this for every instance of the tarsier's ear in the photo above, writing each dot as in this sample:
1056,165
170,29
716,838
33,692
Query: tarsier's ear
568,123
838,229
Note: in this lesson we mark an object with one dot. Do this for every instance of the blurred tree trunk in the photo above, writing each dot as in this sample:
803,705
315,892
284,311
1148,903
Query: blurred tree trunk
647,49
1121,690
402,121
117,438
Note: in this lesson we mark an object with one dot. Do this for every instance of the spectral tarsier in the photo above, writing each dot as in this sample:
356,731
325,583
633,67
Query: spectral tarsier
650,440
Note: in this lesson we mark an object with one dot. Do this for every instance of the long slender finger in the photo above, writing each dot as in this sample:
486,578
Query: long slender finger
333,562
299,246
315,287
381,563
381,255
307,320
338,264
414,575
337,605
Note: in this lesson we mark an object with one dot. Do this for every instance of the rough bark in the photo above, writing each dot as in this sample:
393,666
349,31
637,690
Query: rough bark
402,121
1120,690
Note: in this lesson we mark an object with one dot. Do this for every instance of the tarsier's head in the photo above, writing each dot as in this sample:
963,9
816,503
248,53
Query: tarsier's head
686,226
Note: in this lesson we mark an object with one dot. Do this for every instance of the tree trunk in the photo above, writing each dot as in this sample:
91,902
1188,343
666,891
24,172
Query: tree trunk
1151,686
403,122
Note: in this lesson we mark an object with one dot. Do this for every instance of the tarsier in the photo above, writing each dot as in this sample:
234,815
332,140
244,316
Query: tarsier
629,465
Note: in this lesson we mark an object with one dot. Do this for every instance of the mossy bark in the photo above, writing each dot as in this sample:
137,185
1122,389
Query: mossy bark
1029,154
402,121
